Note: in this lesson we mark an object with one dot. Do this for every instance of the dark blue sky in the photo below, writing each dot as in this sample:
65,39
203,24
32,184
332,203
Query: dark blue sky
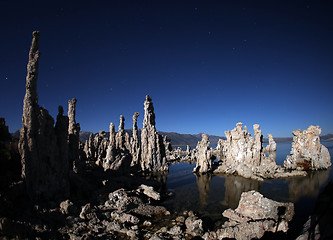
206,64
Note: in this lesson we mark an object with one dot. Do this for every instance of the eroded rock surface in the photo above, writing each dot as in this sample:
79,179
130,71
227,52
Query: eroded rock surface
307,153
73,136
271,147
244,155
135,144
45,171
254,216
153,156
203,156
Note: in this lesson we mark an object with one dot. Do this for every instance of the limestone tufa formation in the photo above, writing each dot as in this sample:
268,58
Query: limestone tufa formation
244,155
120,136
42,147
73,135
271,147
135,144
152,148
111,150
203,156
307,153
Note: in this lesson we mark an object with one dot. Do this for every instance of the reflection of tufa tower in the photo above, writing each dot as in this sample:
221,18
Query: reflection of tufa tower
203,181
235,186
307,186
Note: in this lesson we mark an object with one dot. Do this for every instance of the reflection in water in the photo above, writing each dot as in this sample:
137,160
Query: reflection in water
307,186
160,177
234,186
203,181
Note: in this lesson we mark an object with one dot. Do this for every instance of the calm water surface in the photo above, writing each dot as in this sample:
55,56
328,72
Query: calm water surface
210,195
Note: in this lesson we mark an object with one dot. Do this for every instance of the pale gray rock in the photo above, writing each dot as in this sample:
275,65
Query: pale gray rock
89,148
118,156
111,149
73,136
150,192
100,146
120,136
153,156
194,226
88,212
244,155
44,165
67,207
203,156
254,216
135,144
307,153
271,147
125,217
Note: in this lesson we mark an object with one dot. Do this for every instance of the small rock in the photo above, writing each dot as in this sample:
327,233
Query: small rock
147,223
194,226
180,219
67,207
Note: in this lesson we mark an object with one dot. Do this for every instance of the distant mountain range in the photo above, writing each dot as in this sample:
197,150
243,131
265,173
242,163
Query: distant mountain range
178,139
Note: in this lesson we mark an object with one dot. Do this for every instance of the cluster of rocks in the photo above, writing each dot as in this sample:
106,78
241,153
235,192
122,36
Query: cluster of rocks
244,155
254,216
51,152
180,155
123,153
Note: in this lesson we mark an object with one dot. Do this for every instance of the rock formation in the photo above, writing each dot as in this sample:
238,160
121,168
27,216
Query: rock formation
254,216
203,156
73,136
153,156
271,147
118,156
111,150
244,155
135,144
120,136
100,146
306,152
44,170
89,148
241,152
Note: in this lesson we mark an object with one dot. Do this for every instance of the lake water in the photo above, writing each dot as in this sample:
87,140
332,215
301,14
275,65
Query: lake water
209,195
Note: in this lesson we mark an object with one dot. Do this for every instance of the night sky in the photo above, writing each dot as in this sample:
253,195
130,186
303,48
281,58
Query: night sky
206,64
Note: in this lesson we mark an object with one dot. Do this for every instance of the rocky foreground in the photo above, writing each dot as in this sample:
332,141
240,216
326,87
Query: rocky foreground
131,211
